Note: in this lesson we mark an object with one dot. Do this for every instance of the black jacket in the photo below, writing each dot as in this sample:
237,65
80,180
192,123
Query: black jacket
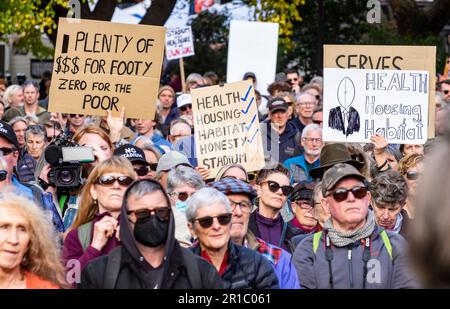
246,269
135,273
288,143
291,231
336,120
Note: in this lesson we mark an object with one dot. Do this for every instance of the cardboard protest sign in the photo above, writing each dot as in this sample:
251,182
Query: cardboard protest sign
253,47
179,43
102,66
361,103
227,127
374,57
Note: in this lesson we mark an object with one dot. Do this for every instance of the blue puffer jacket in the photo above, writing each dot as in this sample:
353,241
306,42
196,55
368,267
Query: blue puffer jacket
246,269
297,169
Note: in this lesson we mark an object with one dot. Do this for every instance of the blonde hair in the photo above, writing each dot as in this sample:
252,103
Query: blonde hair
88,209
43,256
409,161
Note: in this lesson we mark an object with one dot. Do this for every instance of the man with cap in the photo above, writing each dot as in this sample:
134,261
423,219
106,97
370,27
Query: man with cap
184,104
169,111
351,251
167,162
137,158
303,209
241,195
280,143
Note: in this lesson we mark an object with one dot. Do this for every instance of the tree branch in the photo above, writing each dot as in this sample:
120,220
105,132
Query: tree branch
158,13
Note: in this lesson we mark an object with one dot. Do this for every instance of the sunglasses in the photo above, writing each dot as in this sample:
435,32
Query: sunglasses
234,177
446,91
292,80
185,107
319,122
206,222
6,151
306,205
252,176
162,213
412,175
275,186
317,97
182,196
74,115
142,171
341,195
124,181
3,175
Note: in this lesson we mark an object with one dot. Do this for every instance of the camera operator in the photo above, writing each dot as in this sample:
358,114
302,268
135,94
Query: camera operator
65,181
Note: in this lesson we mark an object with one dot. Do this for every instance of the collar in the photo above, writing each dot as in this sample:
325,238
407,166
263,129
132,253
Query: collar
267,221
223,265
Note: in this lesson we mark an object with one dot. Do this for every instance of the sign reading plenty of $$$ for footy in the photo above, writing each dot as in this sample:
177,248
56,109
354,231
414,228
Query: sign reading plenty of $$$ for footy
227,127
100,66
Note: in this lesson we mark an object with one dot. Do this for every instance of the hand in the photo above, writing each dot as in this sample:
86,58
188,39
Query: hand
103,230
99,154
203,171
115,124
44,172
380,143
295,88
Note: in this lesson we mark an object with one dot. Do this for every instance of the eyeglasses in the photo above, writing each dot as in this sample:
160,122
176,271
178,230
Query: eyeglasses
185,107
312,140
6,151
124,181
182,196
306,205
244,206
358,192
142,171
319,122
3,175
412,175
163,213
307,103
275,186
206,222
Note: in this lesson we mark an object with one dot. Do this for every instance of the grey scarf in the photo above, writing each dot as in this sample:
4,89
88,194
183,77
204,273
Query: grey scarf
342,239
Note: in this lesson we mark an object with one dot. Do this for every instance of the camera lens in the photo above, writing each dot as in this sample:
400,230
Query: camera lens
66,177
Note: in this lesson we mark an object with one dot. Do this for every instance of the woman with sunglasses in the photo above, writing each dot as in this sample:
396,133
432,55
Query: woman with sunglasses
272,186
95,229
411,167
236,171
209,216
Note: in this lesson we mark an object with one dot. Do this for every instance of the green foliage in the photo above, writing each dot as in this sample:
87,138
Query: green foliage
210,31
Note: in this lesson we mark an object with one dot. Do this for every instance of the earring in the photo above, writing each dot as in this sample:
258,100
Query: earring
94,201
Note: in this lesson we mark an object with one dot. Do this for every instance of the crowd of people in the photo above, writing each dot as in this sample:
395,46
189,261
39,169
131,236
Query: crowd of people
138,211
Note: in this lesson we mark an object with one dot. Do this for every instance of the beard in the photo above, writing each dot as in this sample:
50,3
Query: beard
312,153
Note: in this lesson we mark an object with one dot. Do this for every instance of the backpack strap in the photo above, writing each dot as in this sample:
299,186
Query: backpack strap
193,272
84,235
387,242
112,268
316,241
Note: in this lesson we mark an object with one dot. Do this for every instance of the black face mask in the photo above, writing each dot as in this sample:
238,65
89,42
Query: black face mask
151,231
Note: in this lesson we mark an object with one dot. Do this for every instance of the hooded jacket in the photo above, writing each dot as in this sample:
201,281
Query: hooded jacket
246,269
347,265
136,273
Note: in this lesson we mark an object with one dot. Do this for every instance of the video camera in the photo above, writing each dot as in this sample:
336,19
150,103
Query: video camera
65,156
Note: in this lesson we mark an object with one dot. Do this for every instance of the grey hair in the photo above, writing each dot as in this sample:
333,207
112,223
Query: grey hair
303,94
389,188
316,193
205,197
9,92
30,83
311,127
36,130
143,187
177,122
17,119
182,175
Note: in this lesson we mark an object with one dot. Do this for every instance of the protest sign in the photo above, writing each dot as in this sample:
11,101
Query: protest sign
179,43
101,66
226,127
378,57
253,47
361,103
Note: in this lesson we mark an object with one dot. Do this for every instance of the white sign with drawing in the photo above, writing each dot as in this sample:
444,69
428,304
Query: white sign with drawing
359,103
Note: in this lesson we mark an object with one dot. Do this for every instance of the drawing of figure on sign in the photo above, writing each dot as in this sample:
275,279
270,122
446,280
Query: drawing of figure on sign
345,118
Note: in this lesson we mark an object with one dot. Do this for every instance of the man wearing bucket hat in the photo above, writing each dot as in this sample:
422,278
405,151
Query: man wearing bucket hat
351,251
330,155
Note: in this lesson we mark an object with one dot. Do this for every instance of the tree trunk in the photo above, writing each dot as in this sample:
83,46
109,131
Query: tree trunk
158,13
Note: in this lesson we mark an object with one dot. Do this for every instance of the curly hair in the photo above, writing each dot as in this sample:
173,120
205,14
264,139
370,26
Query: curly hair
43,255
389,187
409,161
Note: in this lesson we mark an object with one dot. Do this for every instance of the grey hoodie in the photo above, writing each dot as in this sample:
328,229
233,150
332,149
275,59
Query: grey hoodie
347,265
